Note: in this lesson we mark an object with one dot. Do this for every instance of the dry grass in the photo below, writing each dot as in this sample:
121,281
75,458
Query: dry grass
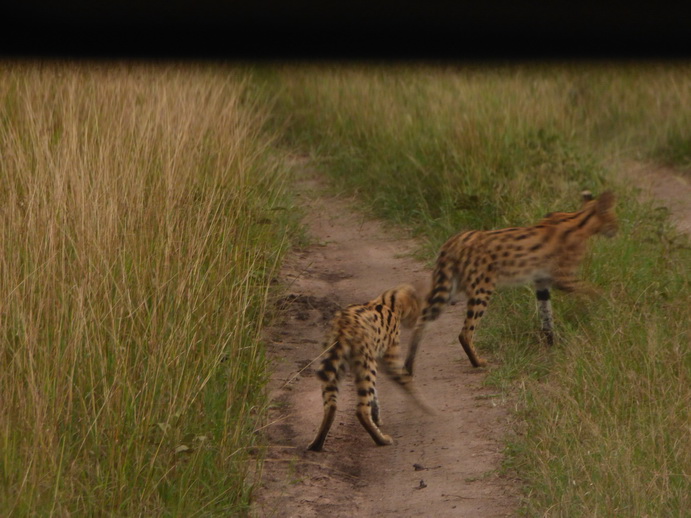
138,245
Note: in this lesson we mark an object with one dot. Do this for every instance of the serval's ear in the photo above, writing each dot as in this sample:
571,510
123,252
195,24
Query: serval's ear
586,196
409,300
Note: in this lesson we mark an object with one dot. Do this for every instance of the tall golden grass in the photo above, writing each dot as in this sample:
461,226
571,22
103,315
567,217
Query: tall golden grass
138,242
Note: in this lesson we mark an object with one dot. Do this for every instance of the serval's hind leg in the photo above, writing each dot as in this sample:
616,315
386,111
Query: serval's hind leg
477,303
330,373
329,414
365,369
376,416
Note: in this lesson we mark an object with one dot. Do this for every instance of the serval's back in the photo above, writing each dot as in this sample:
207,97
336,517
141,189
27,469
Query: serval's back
547,254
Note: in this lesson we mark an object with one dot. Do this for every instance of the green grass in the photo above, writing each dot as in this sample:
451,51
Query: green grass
439,149
144,212
141,221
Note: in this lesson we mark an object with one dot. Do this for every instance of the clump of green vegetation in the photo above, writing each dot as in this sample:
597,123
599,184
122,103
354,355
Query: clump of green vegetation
442,149
139,239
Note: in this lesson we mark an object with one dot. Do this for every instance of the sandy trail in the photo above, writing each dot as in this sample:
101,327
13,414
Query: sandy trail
442,465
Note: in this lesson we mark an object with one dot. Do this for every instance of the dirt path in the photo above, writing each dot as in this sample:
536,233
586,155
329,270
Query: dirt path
443,465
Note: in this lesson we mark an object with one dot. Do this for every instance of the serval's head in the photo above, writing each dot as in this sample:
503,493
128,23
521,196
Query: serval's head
603,210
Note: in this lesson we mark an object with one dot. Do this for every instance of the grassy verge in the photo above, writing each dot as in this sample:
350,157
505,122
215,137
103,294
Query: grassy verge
140,224
606,429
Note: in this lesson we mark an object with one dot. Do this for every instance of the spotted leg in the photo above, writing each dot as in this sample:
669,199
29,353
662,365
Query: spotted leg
330,373
477,303
365,370
544,307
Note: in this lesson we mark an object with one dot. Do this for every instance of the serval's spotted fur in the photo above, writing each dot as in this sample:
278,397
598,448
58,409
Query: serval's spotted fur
547,254
360,334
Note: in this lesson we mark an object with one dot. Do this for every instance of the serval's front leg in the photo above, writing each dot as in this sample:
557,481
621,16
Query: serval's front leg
565,279
544,306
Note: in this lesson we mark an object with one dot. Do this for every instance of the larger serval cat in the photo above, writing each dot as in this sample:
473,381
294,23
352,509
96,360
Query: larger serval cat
360,334
547,254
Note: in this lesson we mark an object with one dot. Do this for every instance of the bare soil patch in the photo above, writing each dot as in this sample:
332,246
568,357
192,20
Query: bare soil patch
442,465
668,187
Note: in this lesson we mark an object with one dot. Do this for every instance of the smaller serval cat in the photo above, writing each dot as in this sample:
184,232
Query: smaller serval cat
547,254
360,334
